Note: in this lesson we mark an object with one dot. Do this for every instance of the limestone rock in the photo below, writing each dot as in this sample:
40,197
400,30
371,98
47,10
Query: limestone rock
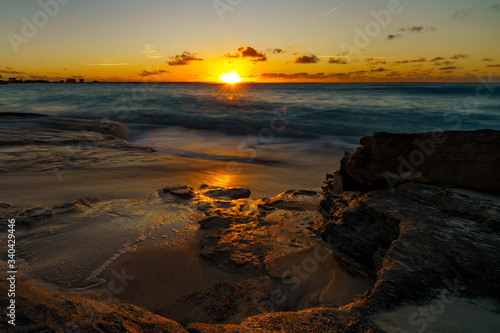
465,159
229,193
415,239
180,191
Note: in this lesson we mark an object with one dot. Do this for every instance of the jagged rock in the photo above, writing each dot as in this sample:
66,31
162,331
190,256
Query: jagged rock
45,310
463,159
180,191
229,194
416,239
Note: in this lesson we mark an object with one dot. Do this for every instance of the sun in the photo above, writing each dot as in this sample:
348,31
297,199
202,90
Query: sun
230,78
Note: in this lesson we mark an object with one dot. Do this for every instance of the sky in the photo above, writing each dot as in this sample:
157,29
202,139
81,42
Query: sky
260,40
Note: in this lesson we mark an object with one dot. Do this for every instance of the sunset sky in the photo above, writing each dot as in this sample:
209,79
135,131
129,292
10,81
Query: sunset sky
263,41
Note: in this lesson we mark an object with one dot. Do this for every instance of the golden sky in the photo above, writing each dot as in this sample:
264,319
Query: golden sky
263,41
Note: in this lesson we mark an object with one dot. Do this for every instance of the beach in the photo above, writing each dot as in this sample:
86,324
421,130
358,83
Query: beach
207,233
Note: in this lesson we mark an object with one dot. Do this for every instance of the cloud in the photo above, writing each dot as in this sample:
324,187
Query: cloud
306,59
418,29
381,69
496,65
494,8
151,52
151,73
183,59
371,61
487,59
419,60
459,56
448,68
398,62
317,76
463,14
437,59
109,64
338,61
295,53
391,37
10,70
277,50
250,52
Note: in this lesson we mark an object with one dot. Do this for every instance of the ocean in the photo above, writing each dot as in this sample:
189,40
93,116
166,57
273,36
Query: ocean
301,129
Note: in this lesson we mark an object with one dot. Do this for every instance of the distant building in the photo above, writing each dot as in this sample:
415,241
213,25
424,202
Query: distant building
82,81
12,79
61,81
70,80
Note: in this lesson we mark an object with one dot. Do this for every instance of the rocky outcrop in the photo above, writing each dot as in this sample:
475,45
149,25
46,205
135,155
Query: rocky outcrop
463,159
415,237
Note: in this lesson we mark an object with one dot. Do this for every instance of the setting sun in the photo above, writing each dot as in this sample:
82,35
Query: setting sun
230,78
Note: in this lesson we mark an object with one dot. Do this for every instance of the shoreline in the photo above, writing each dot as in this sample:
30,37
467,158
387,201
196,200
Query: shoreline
216,256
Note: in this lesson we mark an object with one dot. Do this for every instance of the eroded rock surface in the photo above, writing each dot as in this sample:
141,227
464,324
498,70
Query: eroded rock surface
464,159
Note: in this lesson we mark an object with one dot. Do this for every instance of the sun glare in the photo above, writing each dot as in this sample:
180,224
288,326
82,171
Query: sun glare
230,78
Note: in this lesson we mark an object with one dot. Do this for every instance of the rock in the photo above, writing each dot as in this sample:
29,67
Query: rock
341,181
415,239
467,159
215,222
5,204
39,309
180,191
36,213
229,194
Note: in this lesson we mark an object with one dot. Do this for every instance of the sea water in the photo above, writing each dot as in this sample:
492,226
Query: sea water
303,128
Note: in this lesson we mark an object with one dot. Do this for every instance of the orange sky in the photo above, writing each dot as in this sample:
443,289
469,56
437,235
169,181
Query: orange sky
278,41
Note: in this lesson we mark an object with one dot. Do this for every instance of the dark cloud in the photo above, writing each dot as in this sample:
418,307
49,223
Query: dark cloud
446,63
10,70
277,50
437,59
306,59
448,68
496,65
381,69
487,59
183,59
250,52
338,61
459,56
419,60
398,62
391,37
150,73
232,55
418,29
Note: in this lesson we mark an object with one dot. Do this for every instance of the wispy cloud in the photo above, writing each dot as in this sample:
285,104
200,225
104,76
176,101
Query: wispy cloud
151,73
459,56
10,70
418,28
151,52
